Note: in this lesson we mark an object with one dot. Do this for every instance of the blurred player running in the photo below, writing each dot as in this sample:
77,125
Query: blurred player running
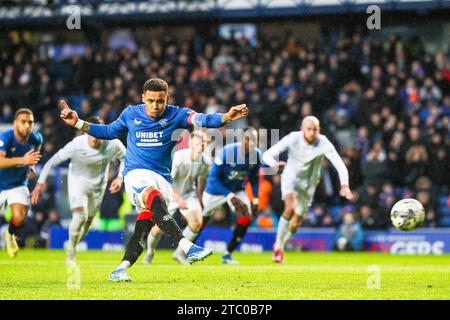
189,171
87,179
151,127
306,150
235,164
19,152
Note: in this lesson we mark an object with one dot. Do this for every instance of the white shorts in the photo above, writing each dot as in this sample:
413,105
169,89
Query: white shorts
212,202
138,180
15,195
84,195
192,202
304,194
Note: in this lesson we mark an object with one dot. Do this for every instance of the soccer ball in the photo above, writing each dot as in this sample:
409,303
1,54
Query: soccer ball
407,214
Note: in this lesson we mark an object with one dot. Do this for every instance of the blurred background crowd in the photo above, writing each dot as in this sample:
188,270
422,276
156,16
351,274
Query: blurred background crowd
383,101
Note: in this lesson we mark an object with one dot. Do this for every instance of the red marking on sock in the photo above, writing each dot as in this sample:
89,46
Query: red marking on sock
14,223
151,196
244,221
145,215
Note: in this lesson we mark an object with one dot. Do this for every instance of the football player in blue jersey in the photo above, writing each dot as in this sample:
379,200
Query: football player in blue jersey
19,152
234,165
150,129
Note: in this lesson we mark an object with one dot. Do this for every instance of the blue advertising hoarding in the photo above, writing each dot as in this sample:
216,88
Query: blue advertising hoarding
422,241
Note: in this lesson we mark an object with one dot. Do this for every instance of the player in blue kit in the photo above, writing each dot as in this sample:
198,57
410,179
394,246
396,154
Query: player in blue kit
19,152
235,164
151,129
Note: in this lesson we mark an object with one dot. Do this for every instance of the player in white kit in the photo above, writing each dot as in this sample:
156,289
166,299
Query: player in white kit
189,171
306,150
87,179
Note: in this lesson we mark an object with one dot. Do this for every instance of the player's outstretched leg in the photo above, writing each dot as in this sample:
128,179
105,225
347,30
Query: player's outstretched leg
157,205
238,234
152,242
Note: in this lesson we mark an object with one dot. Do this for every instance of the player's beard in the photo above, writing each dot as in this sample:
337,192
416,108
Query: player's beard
23,134
311,141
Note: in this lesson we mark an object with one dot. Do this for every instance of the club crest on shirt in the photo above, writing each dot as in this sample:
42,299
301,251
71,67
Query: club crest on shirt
163,122
137,122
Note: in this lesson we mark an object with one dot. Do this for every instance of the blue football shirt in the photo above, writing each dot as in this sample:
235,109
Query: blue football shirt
16,176
232,169
150,142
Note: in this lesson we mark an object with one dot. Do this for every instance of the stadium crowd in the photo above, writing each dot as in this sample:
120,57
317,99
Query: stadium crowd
385,103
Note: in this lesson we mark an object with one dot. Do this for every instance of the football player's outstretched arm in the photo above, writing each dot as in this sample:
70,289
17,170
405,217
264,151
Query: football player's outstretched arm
62,155
217,120
101,131
270,157
332,155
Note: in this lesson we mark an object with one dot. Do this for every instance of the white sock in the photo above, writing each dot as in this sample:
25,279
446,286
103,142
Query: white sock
189,234
286,238
185,245
85,230
283,225
75,226
124,265
152,242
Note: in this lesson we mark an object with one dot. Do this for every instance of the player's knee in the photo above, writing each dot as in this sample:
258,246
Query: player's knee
151,197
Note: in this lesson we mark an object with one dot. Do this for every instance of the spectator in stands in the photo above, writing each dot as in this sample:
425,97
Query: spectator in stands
374,168
51,222
349,236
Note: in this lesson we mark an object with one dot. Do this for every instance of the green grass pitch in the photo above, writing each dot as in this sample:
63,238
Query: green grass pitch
42,274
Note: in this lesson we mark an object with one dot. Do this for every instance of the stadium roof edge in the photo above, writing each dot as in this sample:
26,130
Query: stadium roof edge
21,17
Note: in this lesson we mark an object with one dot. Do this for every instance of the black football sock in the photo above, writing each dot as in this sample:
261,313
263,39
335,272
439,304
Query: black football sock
12,229
164,220
137,242
238,235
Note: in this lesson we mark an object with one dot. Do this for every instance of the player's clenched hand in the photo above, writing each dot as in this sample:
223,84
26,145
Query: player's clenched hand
239,206
346,192
235,113
36,194
31,158
68,115
116,185
281,165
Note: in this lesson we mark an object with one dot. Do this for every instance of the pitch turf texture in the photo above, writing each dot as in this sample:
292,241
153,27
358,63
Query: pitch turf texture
42,274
